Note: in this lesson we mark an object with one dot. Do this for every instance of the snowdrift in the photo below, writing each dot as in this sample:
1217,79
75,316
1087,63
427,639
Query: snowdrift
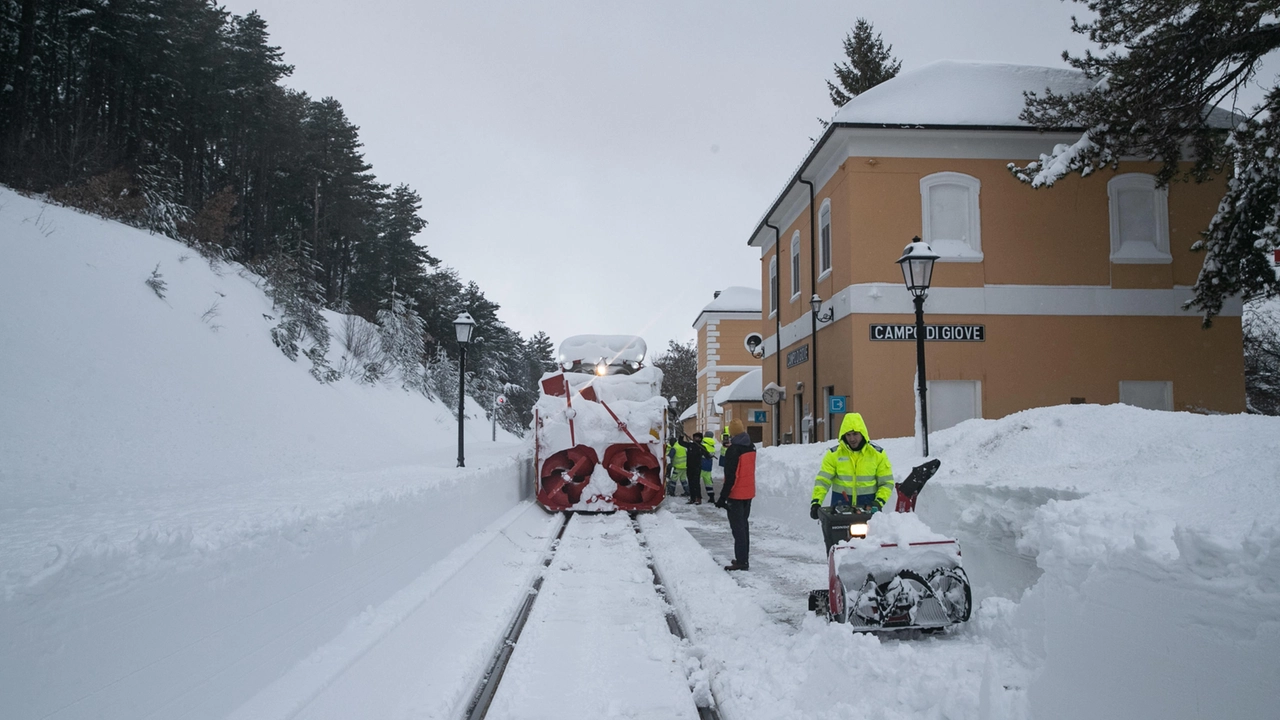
1130,552
184,512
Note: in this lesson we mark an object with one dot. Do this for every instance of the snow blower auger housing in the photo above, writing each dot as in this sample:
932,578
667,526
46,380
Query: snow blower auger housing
599,428
908,579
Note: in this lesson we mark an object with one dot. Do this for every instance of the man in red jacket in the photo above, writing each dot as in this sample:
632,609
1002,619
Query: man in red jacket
739,488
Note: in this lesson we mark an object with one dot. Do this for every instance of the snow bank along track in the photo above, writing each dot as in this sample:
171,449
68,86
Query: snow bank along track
594,644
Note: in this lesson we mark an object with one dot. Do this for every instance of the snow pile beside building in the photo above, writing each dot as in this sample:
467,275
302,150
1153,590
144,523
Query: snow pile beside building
1156,538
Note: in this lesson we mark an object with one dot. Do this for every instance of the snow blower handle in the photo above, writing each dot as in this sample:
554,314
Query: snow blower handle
911,486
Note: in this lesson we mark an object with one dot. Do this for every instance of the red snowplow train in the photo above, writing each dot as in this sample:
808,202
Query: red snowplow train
599,428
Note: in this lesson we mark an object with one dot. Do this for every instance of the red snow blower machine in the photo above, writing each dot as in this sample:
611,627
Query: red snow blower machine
875,586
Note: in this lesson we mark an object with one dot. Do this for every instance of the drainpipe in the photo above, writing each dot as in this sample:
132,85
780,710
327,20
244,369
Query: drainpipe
813,288
777,324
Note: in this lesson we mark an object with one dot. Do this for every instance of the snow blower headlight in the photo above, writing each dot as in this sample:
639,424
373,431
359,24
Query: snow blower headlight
858,530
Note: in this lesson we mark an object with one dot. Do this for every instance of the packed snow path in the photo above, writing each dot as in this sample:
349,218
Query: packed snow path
597,643
769,657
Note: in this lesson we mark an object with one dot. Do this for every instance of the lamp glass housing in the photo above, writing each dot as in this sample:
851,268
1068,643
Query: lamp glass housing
463,325
815,303
917,267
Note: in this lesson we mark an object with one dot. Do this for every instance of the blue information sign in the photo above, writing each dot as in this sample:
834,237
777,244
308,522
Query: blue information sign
836,404
759,416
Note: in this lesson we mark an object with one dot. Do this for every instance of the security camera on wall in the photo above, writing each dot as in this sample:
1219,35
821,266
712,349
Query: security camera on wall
754,343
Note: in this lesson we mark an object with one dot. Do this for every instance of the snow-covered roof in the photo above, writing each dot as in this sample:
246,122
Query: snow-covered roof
950,92
735,299
689,412
943,95
745,389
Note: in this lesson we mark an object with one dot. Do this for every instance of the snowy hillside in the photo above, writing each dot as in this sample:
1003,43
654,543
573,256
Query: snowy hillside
149,446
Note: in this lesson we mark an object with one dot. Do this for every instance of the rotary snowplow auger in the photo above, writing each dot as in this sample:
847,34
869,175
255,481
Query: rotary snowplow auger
600,428
908,579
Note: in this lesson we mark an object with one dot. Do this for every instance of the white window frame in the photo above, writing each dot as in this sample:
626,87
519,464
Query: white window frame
824,240
1159,255
795,266
953,249
774,290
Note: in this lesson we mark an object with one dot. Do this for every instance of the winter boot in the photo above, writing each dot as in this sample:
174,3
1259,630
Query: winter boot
711,496
735,566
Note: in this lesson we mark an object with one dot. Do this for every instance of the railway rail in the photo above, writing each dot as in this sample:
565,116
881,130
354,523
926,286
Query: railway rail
488,687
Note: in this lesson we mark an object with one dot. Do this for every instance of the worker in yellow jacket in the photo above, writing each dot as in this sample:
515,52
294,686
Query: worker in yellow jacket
677,462
855,472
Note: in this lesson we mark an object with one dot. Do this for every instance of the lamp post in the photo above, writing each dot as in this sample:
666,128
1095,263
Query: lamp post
463,325
917,272
815,305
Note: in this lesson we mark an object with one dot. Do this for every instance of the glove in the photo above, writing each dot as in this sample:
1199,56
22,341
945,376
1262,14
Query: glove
873,509
813,511
721,504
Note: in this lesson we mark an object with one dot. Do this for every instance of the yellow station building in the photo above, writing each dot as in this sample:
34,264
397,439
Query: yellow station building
1071,294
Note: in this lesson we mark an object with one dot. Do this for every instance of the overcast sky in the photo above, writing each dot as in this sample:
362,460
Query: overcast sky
597,167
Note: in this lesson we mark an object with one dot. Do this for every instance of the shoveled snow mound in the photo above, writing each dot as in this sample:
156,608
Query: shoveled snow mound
1157,535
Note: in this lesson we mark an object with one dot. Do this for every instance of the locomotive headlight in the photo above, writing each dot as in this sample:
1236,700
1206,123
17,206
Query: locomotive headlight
601,369
858,530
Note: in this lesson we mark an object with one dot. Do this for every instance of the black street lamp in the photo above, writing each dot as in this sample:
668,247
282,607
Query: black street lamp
917,272
463,325
815,305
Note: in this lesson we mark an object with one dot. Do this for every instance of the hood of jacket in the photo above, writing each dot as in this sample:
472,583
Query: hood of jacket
853,421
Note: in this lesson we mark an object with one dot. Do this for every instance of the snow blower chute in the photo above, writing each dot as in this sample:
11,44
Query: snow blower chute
600,428
907,579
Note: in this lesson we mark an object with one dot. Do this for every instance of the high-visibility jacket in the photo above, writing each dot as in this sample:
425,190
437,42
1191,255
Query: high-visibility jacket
708,443
863,472
679,456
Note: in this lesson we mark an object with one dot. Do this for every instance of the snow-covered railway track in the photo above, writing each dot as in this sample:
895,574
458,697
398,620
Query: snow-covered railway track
596,635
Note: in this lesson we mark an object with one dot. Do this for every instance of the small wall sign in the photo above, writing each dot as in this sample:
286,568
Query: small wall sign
943,333
798,356
759,416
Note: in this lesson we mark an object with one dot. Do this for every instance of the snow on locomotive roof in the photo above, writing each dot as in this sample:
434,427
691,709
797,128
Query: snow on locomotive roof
613,349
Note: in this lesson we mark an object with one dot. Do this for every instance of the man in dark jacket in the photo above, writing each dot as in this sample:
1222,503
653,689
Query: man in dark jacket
738,491
694,451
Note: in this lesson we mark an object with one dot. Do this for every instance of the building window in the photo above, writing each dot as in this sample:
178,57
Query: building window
1152,395
1139,219
949,211
824,238
795,266
951,402
773,285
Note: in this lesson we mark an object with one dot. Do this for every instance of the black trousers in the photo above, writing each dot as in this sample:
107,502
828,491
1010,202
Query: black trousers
739,511
695,482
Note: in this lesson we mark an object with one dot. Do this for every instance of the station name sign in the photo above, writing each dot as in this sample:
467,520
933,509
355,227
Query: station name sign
797,356
945,333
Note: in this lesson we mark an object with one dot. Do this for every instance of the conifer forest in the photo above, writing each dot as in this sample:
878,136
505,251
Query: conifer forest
174,115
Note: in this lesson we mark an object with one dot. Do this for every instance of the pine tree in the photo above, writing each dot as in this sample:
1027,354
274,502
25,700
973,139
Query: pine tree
1166,65
401,331
868,63
679,365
